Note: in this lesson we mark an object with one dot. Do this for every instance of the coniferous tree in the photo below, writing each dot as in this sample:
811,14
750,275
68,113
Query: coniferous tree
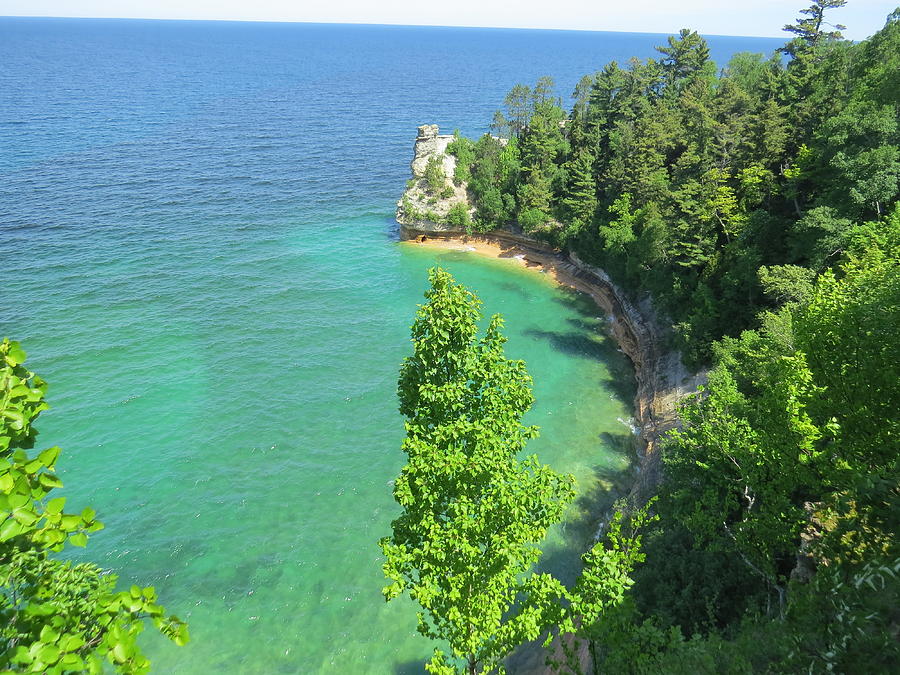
810,28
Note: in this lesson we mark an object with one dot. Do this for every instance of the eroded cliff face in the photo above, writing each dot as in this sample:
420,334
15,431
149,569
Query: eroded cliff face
662,378
430,195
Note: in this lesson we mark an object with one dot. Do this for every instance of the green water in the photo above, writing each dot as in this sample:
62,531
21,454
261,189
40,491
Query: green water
230,412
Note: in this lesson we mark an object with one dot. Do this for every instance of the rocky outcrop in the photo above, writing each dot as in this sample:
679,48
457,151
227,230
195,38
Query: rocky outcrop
430,195
662,378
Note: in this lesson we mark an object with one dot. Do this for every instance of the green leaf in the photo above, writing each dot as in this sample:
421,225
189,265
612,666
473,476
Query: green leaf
48,634
26,516
6,482
72,662
49,456
80,539
18,500
19,390
49,654
121,653
33,466
70,522
11,528
56,505
72,642
182,636
21,655
18,419
15,355
49,481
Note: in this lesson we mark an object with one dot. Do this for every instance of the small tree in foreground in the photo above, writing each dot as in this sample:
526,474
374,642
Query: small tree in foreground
56,617
473,512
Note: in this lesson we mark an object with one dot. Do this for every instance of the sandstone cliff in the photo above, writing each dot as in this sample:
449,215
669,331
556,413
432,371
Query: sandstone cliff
431,194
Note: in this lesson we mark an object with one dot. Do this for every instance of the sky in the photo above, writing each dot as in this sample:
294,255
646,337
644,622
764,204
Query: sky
711,17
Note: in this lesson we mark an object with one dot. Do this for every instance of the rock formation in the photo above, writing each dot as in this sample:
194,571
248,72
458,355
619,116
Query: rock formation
425,203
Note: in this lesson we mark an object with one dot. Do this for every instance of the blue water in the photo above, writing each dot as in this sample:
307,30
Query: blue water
199,254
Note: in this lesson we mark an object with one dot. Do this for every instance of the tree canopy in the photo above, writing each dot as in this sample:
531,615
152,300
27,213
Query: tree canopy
772,162
473,511
758,207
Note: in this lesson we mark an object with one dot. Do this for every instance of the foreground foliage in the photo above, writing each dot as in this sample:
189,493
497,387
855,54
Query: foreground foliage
466,543
56,616
473,512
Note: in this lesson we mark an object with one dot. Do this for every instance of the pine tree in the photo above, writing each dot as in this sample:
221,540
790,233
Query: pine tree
809,28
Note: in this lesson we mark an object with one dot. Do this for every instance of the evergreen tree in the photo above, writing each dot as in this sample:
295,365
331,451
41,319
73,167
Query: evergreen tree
580,201
684,56
810,28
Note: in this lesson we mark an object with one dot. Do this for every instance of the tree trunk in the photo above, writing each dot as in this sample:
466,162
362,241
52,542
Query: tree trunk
592,648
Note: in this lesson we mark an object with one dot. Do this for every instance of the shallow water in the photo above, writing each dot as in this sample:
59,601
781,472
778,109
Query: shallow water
200,256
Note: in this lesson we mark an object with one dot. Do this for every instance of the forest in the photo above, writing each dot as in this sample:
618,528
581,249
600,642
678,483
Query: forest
757,206
720,193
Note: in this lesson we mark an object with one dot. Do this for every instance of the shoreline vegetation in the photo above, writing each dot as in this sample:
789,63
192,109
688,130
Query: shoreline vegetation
661,377
742,228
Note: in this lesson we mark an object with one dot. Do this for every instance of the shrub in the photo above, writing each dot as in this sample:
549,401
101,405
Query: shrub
459,215
434,173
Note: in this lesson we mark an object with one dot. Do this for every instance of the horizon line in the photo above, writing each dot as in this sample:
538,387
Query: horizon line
368,23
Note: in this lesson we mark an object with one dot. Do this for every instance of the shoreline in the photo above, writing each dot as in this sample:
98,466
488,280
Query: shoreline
662,379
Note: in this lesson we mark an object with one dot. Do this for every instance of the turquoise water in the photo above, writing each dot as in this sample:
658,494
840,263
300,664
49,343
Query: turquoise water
243,465
200,256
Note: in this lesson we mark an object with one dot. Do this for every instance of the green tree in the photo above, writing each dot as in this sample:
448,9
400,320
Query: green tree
518,112
810,28
799,417
723,203
684,56
56,617
434,173
862,144
786,283
473,512
464,150
458,215
820,236
534,198
580,202
619,232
